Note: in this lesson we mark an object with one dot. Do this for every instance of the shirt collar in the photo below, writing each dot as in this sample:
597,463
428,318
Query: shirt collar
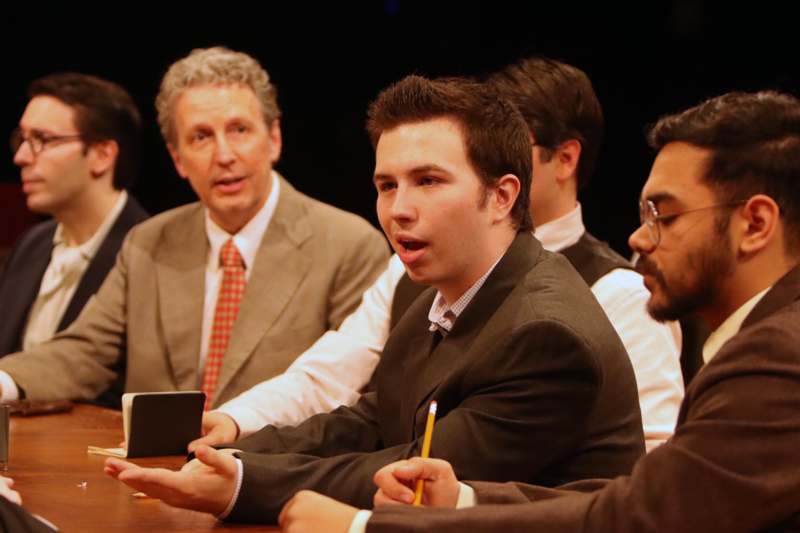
730,327
247,239
88,249
562,232
443,316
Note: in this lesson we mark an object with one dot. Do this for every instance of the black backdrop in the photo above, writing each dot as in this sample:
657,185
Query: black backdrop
330,59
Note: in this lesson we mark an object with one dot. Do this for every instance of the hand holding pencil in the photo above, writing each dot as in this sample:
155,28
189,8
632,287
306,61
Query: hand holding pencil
434,482
426,450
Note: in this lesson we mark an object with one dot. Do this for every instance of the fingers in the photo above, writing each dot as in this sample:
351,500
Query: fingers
394,488
113,467
208,440
380,498
222,462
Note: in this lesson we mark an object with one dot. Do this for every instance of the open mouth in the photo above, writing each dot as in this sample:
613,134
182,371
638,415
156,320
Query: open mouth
411,245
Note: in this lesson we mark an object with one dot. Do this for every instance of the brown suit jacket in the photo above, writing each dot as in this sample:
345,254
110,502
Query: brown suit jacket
531,382
313,264
732,465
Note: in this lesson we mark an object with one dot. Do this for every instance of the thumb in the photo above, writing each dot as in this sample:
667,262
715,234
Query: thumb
219,461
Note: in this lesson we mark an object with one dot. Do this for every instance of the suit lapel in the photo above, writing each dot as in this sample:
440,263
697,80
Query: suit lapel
103,260
785,291
429,370
280,266
180,272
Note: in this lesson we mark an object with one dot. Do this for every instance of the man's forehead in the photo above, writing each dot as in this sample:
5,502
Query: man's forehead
678,171
46,112
436,142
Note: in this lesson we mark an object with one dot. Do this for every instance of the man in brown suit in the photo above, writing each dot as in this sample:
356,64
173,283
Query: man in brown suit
153,324
720,236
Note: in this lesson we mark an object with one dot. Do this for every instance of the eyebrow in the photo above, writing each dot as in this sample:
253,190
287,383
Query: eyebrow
660,197
423,169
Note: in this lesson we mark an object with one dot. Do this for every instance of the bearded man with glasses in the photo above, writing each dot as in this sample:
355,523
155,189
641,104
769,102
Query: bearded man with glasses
77,146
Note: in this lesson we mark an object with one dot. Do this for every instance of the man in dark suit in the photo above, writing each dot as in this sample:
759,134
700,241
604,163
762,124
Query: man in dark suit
530,378
720,236
78,149
77,146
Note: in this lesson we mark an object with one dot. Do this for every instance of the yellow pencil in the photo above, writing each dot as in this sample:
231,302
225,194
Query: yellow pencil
426,450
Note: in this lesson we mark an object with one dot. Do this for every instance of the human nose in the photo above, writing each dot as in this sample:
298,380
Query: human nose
640,240
403,207
224,152
24,154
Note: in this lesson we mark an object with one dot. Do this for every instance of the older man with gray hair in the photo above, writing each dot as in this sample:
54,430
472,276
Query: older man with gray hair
222,293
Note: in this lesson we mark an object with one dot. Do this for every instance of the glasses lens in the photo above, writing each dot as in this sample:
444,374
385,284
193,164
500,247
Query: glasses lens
651,221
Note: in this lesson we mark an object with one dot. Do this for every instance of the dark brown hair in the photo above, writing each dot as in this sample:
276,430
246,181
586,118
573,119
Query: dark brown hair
558,103
755,143
103,111
495,136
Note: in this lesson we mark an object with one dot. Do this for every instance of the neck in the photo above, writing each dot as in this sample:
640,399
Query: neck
82,219
750,278
454,288
561,205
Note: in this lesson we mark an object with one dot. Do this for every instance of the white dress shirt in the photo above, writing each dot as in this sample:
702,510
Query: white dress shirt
59,283
333,370
730,327
247,241
62,277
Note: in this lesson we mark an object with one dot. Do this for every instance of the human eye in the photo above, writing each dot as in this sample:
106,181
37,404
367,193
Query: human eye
666,220
198,136
239,128
428,180
385,185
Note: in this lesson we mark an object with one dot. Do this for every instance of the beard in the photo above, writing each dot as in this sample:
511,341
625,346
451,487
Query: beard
704,270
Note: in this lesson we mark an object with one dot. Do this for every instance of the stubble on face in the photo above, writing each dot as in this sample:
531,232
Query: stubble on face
696,283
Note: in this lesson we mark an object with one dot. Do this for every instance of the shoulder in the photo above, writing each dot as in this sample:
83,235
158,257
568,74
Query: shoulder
326,220
177,219
32,241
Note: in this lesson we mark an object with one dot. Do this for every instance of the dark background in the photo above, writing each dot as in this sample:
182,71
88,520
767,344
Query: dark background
329,60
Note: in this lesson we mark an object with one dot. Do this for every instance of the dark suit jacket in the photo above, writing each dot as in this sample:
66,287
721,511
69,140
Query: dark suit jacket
532,382
733,464
15,519
25,267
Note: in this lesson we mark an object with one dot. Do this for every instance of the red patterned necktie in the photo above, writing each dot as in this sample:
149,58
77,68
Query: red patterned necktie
230,294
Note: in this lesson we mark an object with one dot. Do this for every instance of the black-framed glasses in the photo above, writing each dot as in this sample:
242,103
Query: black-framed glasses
38,141
650,218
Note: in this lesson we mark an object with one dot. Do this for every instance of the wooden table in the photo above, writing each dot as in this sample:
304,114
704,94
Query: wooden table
61,482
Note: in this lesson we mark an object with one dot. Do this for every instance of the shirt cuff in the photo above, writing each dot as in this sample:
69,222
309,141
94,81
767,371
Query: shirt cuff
466,496
359,523
232,503
10,389
247,421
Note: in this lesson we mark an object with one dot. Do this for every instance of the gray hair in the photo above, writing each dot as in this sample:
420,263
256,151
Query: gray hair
213,66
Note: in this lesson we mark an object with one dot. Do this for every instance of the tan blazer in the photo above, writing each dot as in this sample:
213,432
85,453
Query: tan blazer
313,264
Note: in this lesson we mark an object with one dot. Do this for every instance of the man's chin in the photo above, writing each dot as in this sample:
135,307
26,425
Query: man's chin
668,311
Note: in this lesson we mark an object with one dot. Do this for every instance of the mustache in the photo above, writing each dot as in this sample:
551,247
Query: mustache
644,267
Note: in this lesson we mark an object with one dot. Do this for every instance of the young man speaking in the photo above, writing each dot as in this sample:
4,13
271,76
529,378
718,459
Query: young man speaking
530,377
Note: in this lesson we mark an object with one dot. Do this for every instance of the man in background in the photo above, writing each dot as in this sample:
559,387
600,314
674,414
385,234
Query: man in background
77,146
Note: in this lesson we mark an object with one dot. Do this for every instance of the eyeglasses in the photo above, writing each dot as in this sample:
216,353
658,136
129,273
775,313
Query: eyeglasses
38,141
651,219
